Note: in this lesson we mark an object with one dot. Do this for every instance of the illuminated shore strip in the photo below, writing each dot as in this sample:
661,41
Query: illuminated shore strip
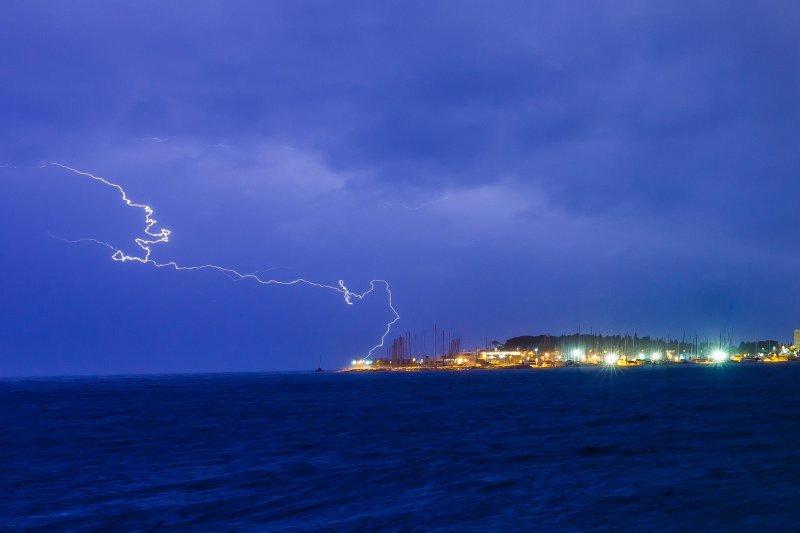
512,359
378,365
162,236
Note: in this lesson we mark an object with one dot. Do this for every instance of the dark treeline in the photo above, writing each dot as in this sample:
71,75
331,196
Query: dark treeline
596,342
759,346
629,344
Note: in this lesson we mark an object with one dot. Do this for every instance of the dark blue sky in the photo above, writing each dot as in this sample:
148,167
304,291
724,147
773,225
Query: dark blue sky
533,167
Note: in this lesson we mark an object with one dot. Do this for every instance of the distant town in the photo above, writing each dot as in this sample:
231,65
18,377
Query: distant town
410,352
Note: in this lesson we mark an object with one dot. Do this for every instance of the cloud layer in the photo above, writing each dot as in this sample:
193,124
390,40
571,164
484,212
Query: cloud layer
512,170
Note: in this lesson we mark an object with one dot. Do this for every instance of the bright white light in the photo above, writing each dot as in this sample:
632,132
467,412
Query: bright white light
577,353
611,358
355,362
719,356
655,356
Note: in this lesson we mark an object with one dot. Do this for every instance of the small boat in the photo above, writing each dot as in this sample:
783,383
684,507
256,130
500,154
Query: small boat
319,366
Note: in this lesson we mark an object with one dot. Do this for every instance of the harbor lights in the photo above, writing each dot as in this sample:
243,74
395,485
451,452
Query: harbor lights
719,356
611,358
655,356
577,354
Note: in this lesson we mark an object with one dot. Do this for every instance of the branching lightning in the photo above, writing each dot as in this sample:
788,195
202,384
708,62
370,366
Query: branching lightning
153,236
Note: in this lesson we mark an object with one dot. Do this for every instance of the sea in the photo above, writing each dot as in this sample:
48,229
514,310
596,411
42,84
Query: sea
685,448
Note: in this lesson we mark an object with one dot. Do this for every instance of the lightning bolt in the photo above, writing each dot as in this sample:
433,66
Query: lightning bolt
153,236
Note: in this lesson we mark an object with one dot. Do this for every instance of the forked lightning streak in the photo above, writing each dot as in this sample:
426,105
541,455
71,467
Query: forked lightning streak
153,236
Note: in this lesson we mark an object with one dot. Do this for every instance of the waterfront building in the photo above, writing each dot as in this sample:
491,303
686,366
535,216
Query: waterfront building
797,339
501,357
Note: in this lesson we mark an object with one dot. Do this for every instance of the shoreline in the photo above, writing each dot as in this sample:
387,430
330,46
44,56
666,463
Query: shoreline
526,367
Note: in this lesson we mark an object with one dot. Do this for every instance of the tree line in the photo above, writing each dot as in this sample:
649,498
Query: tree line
629,344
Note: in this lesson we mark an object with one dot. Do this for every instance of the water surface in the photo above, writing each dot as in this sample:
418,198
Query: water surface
641,448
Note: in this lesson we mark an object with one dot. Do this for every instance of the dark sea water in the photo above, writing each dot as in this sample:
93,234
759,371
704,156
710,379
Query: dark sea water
686,448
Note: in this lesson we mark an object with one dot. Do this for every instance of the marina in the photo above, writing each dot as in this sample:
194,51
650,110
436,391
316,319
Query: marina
577,350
